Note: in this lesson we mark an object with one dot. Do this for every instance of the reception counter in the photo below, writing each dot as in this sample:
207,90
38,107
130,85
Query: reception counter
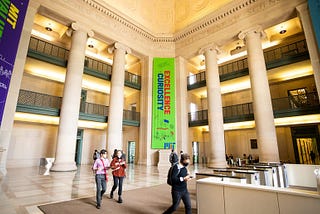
221,197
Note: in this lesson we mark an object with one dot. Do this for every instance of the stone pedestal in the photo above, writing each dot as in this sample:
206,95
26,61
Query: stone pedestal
164,158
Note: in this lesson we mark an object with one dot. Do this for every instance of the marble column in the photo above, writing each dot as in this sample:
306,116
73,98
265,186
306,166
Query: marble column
114,138
304,16
216,153
14,88
69,114
262,105
181,100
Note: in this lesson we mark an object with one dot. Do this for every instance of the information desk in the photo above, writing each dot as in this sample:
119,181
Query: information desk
221,197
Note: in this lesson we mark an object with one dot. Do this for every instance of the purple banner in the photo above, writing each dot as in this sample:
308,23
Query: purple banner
12,14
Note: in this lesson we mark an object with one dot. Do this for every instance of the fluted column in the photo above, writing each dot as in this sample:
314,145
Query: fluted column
304,16
68,125
262,106
114,139
215,115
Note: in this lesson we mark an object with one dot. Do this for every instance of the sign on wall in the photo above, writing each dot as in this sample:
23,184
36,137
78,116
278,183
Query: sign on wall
12,14
163,104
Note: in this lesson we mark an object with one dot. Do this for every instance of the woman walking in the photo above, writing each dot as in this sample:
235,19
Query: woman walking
100,167
118,166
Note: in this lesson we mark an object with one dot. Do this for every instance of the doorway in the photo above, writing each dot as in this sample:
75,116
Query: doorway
78,152
131,151
306,144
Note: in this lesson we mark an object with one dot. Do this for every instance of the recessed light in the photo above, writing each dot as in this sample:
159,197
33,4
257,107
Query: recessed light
48,28
90,46
283,31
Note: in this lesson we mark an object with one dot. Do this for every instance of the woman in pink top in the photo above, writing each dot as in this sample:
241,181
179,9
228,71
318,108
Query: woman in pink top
100,167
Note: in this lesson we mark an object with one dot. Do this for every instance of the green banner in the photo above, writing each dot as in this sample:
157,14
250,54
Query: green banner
163,104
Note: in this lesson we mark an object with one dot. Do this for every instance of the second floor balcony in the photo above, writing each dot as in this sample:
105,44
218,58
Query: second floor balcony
276,57
282,107
44,104
51,53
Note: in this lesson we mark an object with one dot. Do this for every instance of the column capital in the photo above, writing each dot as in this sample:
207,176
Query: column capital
75,26
256,29
210,47
118,45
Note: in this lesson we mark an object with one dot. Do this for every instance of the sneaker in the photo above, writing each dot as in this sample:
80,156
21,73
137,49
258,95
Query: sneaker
120,200
111,195
98,206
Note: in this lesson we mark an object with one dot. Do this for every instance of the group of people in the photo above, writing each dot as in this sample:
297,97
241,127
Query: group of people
101,166
180,176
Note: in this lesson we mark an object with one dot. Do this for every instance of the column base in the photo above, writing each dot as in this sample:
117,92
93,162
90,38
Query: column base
64,167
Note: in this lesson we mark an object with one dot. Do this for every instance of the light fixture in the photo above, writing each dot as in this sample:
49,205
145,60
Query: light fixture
48,28
282,31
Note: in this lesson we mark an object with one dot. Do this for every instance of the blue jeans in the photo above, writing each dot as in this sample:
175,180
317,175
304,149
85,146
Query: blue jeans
101,187
116,181
176,198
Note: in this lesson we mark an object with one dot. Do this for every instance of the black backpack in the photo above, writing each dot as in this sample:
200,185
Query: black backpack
173,158
169,176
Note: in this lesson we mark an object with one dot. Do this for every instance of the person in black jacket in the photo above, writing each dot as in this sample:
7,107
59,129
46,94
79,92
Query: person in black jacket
180,177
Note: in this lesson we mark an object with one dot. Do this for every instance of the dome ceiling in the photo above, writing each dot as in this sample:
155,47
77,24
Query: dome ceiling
164,16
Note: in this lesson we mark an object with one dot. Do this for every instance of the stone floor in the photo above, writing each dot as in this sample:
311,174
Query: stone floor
23,189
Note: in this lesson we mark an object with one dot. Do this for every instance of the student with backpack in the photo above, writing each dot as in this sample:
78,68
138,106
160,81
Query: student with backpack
178,176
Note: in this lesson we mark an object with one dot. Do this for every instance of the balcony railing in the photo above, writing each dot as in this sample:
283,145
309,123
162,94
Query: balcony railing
278,56
97,65
49,49
38,103
51,53
38,99
132,80
285,106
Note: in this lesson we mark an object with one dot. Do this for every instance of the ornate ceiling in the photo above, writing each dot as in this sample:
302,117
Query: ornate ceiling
164,16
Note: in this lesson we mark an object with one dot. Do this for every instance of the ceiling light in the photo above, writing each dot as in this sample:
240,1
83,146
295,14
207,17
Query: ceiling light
283,31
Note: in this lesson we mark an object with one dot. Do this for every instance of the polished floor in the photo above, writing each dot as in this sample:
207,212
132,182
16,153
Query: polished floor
23,189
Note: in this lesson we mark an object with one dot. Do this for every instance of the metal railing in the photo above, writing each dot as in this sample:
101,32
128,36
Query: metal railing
38,99
131,115
233,66
47,48
31,98
133,78
286,51
93,108
277,53
97,65
297,102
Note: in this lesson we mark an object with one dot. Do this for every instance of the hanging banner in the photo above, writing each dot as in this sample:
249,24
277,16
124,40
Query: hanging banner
12,14
163,104
314,9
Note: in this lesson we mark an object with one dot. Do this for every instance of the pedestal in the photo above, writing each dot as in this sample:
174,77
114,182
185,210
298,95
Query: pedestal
164,158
